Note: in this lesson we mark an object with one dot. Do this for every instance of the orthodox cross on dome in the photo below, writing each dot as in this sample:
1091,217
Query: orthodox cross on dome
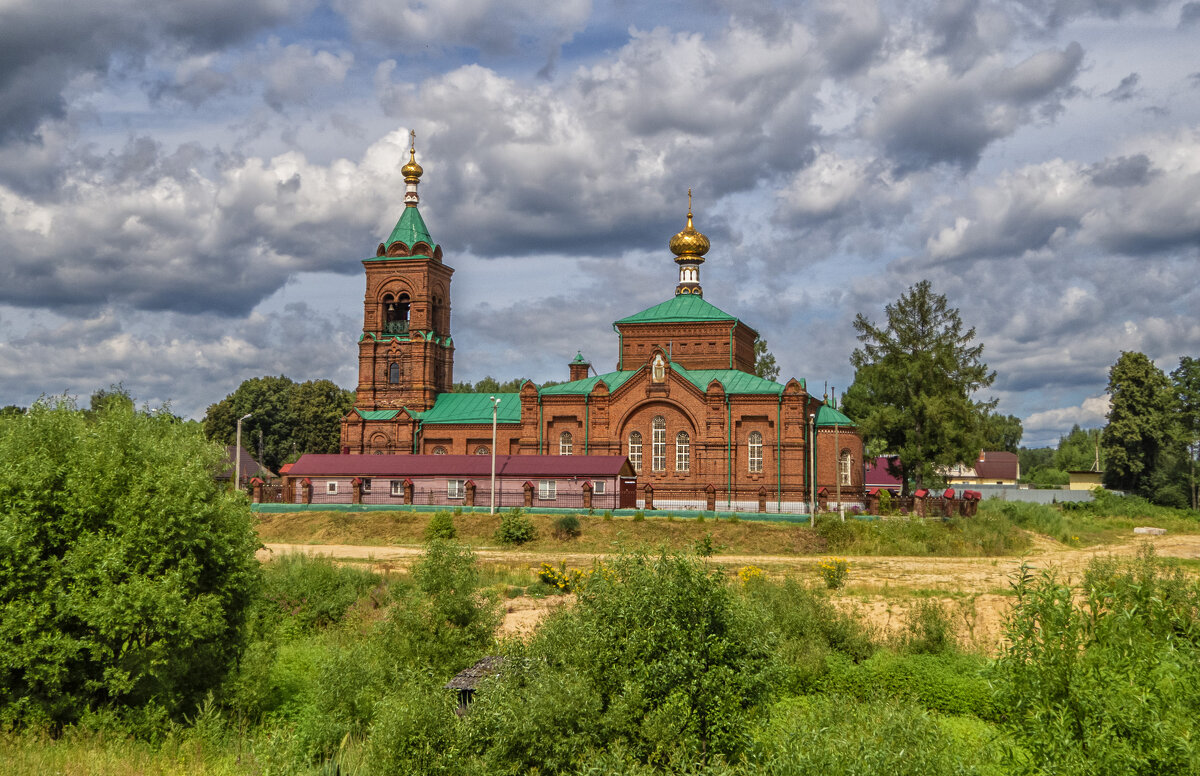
412,172
689,247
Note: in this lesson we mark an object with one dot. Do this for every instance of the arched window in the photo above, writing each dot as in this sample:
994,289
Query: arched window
754,445
658,444
844,464
635,450
439,450
395,314
683,452
482,450
394,373
564,443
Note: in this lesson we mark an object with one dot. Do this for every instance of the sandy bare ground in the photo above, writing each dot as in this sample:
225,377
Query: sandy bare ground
881,589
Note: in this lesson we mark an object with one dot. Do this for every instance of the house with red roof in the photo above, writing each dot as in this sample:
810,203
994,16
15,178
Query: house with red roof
992,467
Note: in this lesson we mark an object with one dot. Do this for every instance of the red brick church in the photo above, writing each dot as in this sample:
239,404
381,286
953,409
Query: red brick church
683,403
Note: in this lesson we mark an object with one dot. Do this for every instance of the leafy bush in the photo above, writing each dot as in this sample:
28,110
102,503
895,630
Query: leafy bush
515,528
567,527
560,579
928,629
608,515
415,731
639,516
833,572
1109,683
126,572
312,590
441,526
948,683
838,534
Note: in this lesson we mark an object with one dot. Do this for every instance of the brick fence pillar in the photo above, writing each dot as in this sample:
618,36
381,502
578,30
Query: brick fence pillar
306,491
356,491
408,491
648,489
470,499
528,487
872,503
256,490
710,497
762,498
587,494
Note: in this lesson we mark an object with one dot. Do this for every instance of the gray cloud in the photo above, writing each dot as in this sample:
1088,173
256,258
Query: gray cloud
1126,90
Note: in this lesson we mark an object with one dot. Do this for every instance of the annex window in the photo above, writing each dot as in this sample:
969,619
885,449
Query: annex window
331,488
397,487
366,484
754,445
547,490
844,463
683,452
598,487
394,373
565,443
635,450
439,450
455,489
482,450
658,444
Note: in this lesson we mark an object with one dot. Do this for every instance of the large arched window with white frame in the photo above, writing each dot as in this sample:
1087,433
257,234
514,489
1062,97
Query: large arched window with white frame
845,462
683,452
754,445
635,450
658,444
565,443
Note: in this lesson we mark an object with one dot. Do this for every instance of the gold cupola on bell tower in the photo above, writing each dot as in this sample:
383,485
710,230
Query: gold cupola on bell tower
689,247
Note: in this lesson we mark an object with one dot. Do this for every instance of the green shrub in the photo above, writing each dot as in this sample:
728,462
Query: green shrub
312,590
833,572
415,731
515,528
567,527
639,516
1105,683
441,526
608,514
838,534
928,629
948,683
126,571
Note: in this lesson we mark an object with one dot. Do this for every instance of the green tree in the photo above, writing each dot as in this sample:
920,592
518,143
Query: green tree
1141,420
112,396
293,418
125,571
1186,382
764,362
1001,432
11,411
1077,450
914,383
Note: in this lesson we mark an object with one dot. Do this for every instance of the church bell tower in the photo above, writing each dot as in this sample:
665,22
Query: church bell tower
406,353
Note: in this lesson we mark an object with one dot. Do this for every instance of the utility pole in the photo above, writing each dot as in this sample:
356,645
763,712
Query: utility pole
237,454
495,408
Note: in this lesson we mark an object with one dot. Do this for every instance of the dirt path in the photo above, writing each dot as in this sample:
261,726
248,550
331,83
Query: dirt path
881,589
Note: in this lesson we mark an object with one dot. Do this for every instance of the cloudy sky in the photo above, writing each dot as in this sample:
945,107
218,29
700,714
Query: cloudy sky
187,187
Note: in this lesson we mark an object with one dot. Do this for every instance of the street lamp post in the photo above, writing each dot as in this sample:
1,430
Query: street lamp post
812,467
495,409
237,453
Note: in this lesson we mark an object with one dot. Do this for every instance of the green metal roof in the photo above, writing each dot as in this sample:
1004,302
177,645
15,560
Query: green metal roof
828,416
473,408
680,309
732,380
579,359
410,230
613,380
382,337
377,414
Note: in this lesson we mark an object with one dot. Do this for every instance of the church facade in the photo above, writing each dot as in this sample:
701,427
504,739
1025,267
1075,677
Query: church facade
683,403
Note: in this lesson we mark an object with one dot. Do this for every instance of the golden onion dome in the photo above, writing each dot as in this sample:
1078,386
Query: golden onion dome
689,242
412,169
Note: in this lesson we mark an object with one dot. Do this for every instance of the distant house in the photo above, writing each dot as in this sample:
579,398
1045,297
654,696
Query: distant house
465,480
250,467
878,476
1085,480
992,467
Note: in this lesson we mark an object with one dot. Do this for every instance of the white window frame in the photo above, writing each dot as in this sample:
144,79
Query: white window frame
844,467
397,487
598,487
331,488
482,450
658,444
439,450
366,484
547,490
566,443
683,452
456,489
754,448
635,450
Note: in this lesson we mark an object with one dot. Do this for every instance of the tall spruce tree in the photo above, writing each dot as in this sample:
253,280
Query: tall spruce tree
914,385
1141,424
1186,382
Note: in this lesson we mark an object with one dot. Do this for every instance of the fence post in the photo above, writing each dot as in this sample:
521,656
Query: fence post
356,491
256,490
710,494
408,491
587,494
528,487
470,499
873,503
762,498
306,491
648,489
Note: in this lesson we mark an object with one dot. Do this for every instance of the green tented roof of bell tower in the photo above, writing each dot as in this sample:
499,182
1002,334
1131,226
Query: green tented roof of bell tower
410,230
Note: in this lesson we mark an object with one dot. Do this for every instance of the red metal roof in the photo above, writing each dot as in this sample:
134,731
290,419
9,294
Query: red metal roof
997,465
397,466
877,474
